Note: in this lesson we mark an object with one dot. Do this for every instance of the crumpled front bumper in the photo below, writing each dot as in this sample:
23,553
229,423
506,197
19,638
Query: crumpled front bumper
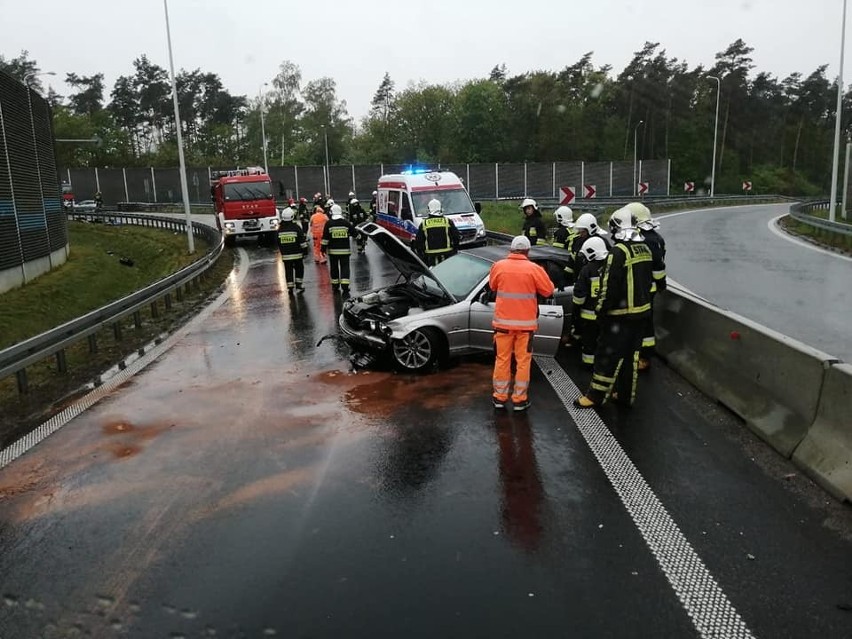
361,339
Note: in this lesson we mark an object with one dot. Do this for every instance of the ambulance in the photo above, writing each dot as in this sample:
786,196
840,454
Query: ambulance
402,204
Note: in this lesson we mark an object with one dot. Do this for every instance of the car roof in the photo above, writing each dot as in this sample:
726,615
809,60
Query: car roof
495,252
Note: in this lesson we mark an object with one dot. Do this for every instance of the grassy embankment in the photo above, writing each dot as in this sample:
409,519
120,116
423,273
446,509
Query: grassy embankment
93,277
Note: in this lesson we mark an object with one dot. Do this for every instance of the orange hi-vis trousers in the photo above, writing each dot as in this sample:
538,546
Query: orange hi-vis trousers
507,344
318,256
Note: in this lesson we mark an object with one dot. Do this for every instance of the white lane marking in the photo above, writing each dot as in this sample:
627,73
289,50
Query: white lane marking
25,443
773,226
708,607
713,208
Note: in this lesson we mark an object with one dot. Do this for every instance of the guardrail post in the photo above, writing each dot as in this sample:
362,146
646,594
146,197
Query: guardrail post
168,301
61,362
116,330
137,320
155,310
179,293
23,382
93,344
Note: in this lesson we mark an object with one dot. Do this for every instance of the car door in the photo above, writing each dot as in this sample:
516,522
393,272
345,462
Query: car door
545,341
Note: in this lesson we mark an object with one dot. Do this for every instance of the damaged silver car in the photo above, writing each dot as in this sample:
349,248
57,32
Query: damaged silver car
432,314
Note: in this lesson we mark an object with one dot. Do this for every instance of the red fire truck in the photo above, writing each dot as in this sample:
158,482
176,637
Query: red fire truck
244,204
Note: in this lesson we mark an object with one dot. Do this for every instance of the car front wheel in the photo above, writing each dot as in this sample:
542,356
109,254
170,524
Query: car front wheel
418,351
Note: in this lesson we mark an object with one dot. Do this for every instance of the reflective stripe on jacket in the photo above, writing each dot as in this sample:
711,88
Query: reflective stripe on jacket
335,237
626,282
516,282
292,242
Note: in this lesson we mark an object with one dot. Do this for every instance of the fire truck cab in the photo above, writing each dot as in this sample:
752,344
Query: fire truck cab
402,204
244,203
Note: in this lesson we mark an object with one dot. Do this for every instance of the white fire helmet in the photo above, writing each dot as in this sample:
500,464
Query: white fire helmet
435,207
620,220
589,223
642,216
329,202
336,212
564,216
594,249
528,202
351,194
287,215
353,201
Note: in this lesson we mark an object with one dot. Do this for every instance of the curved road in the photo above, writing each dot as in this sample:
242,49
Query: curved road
247,485
732,257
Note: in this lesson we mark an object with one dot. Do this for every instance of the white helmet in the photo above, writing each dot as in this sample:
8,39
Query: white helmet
287,215
588,222
621,219
564,216
336,212
594,249
375,193
642,216
353,201
528,202
435,207
351,194
329,202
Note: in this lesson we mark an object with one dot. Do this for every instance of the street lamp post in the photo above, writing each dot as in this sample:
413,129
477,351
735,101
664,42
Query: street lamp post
832,204
190,240
327,168
263,128
715,135
635,131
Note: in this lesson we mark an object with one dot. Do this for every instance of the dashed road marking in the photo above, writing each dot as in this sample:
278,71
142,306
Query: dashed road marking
708,607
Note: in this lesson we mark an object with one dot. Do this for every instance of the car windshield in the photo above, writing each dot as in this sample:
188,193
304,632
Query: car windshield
453,201
248,191
461,273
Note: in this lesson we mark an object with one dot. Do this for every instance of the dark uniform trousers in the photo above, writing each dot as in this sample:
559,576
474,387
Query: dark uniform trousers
617,358
339,265
294,272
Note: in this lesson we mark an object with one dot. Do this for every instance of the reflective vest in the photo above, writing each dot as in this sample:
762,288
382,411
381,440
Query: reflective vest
626,282
587,290
516,282
657,245
336,236
436,229
291,241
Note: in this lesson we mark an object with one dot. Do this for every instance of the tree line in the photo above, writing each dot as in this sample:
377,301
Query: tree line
776,132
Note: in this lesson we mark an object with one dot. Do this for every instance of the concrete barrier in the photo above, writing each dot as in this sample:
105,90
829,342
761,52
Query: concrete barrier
826,451
770,380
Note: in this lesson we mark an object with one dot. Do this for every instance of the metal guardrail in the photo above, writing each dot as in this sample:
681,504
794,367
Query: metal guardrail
658,200
802,213
16,358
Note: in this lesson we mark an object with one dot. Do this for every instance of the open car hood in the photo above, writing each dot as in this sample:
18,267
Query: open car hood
402,257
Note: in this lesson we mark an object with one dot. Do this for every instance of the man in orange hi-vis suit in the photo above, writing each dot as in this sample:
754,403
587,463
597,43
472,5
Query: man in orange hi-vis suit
515,283
318,220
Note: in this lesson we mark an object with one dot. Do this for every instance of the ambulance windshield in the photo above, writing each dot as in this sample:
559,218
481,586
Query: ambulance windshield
453,201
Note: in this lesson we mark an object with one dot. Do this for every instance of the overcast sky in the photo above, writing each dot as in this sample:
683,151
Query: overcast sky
439,41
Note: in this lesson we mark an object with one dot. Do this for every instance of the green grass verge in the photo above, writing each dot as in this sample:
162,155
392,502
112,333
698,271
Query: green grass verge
92,276
821,237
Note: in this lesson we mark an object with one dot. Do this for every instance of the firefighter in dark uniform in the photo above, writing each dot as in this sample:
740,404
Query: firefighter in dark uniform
534,227
657,245
623,308
373,205
303,213
335,243
587,288
293,245
357,215
564,235
585,227
437,237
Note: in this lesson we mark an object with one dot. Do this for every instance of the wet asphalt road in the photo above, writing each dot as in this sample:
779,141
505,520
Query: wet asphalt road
730,257
246,485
